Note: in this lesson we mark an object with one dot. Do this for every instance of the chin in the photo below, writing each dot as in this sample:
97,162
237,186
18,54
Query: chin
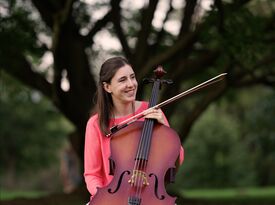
130,99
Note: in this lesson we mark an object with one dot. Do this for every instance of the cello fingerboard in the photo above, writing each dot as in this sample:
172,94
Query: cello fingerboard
132,200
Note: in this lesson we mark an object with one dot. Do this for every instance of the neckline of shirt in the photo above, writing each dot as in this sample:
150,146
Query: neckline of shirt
127,116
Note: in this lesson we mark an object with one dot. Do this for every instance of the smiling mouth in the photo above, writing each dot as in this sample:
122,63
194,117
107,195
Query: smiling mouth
130,92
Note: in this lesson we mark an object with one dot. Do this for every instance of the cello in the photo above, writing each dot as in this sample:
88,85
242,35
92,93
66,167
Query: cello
143,155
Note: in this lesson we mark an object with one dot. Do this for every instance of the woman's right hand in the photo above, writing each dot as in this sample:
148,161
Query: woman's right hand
155,113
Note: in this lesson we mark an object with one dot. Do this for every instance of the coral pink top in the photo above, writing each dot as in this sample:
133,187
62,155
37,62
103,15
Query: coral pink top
97,153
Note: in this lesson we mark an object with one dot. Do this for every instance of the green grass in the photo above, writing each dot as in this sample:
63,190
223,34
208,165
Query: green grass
267,193
8,195
244,196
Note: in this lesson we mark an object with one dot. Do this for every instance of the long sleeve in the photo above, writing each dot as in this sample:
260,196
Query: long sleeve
92,158
181,155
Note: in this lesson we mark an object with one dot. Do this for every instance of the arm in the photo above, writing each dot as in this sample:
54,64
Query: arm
92,158
181,157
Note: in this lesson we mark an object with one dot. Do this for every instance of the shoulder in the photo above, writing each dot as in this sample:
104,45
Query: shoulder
142,105
93,121
92,127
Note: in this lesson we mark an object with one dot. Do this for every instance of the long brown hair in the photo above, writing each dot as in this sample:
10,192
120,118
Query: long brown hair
104,102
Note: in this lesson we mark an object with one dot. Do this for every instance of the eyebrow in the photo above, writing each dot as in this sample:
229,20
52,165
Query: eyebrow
122,77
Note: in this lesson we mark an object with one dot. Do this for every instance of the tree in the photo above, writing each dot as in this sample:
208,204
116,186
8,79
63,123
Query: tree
260,136
31,133
233,37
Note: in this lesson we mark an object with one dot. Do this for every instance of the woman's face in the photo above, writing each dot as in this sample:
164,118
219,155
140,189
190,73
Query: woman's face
123,85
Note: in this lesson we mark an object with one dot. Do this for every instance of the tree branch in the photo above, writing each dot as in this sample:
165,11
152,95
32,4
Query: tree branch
116,19
219,5
46,11
187,68
249,80
88,39
238,3
184,71
199,108
22,70
189,10
162,32
146,25
59,19
172,51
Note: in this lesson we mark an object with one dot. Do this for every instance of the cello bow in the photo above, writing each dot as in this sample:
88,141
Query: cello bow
134,118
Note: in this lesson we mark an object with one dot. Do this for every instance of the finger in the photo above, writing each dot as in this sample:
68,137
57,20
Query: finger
149,111
154,115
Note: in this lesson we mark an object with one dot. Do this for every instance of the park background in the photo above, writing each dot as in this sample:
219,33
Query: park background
50,53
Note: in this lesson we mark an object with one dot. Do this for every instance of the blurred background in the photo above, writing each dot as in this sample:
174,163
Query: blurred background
50,54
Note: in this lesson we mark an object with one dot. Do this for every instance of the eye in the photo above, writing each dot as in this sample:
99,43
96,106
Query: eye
133,76
122,79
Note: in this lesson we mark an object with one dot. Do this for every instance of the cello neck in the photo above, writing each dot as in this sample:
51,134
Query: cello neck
144,144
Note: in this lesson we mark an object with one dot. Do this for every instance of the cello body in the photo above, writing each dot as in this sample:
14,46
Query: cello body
143,185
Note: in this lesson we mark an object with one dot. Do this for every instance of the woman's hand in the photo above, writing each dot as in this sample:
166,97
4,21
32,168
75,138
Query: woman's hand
155,114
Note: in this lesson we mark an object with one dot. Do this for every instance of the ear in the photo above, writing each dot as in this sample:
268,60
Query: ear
107,87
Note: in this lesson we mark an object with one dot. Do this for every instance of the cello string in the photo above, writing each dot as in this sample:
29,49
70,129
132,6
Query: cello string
142,177
139,172
147,124
136,169
147,147
141,161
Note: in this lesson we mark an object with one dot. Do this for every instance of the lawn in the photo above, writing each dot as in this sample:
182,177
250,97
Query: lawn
267,192
240,196
8,195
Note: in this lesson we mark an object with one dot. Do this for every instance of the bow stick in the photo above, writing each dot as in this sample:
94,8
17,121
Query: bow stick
134,118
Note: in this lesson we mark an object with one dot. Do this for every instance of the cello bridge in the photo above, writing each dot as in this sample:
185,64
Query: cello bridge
138,178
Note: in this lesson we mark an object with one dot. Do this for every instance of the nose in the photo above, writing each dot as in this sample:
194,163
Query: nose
130,82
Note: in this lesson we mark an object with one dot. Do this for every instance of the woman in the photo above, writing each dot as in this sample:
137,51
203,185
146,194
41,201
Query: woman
116,101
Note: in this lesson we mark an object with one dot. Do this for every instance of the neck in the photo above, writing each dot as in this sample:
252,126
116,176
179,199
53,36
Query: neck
124,109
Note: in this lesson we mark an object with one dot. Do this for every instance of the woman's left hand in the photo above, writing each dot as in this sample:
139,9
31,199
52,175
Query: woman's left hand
155,114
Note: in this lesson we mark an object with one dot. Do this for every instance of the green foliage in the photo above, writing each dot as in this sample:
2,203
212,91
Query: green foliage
260,135
209,151
18,30
246,45
232,145
31,129
239,34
